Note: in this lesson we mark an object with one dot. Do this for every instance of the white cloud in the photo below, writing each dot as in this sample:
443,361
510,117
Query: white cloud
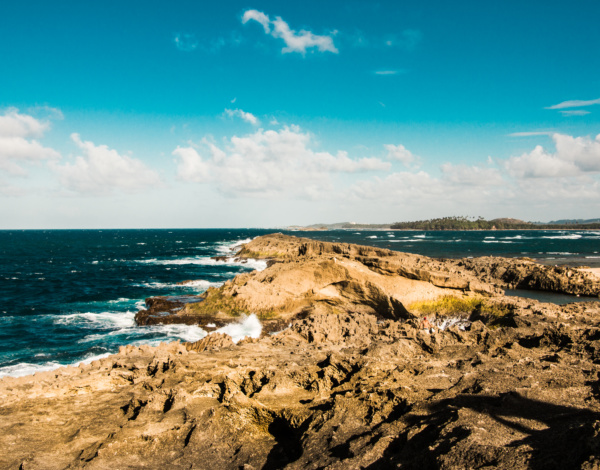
400,153
258,16
294,41
248,117
574,156
18,144
574,104
101,170
530,134
575,112
13,124
270,163
190,166
475,176
185,42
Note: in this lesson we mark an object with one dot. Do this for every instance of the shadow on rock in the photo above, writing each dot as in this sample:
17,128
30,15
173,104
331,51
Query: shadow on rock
547,435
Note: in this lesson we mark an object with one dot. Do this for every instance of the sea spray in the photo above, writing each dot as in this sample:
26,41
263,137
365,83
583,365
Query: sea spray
249,325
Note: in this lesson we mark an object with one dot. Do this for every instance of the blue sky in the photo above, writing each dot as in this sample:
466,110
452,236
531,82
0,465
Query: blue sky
193,114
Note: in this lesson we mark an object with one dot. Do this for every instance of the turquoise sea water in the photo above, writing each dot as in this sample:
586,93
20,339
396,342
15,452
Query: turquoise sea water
70,295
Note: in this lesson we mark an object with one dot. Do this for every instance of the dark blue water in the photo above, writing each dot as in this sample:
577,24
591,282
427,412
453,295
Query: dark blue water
71,295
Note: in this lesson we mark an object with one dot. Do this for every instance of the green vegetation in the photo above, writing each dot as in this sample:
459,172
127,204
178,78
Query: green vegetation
215,302
262,254
493,314
465,223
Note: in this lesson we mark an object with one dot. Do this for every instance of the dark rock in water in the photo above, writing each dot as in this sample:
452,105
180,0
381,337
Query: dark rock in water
164,311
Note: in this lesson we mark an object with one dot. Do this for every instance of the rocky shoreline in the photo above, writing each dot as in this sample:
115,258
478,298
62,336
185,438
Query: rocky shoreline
351,379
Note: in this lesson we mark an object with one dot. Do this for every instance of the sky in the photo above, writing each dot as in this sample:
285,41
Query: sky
185,114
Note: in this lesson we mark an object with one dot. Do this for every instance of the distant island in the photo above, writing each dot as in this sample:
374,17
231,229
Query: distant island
462,223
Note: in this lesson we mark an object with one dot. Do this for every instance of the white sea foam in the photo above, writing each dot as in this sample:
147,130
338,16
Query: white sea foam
572,236
26,368
507,242
106,319
199,284
372,236
420,236
168,333
257,264
228,247
248,326
93,358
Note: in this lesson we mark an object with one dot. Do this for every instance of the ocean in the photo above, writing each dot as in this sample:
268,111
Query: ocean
68,296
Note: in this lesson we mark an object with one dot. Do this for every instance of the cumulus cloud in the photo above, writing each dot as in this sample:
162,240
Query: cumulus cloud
269,163
574,104
18,144
400,153
101,170
248,117
294,41
573,156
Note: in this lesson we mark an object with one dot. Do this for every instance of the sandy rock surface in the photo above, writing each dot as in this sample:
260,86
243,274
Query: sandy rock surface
332,391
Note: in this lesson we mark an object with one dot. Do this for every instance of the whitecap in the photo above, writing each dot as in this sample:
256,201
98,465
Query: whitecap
199,284
572,236
257,264
372,236
106,319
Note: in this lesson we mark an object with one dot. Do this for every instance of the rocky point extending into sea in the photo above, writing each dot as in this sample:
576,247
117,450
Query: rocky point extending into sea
344,376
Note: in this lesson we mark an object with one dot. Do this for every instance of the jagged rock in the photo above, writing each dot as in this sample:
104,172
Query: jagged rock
332,391
214,341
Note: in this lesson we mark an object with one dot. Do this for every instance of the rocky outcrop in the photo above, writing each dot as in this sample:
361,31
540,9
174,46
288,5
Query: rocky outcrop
307,276
527,274
331,391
